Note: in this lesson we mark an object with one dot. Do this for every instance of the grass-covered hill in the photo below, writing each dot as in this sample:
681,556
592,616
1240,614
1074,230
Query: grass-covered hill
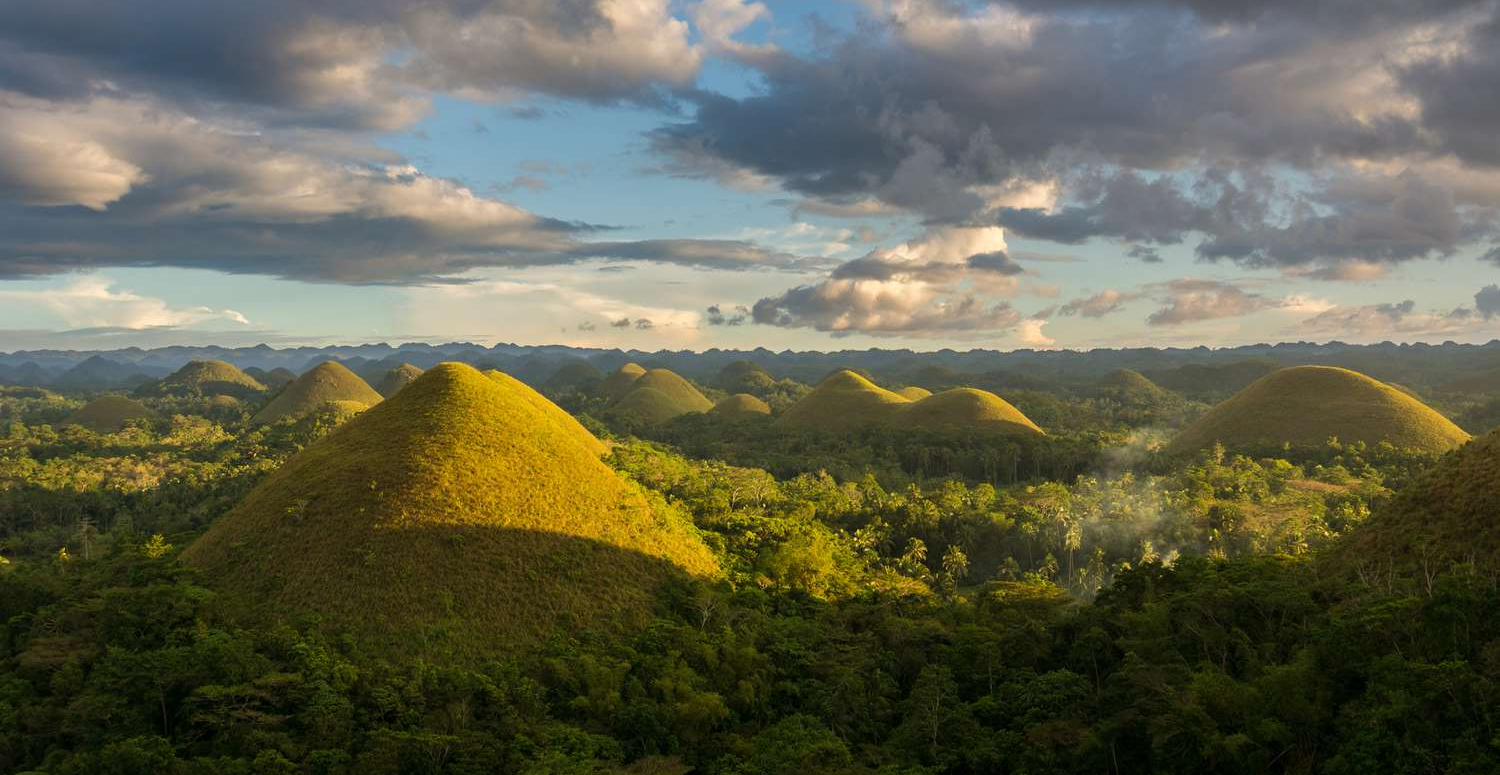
617,384
575,375
565,422
740,406
1132,385
1448,515
743,377
327,382
392,381
669,383
964,410
108,414
458,519
203,379
914,393
1304,406
843,401
647,405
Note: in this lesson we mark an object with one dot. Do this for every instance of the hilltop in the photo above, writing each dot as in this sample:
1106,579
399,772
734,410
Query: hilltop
392,381
1450,514
272,379
109,414
675,387
965,410
1307,405
203,379
617,384
659,395
843,401
457,520
740,406
913,393
1132,385
329,381
743,377
557,415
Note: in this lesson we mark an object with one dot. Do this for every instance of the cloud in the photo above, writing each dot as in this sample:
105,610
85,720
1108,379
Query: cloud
1371,321
1029,334
1281,134
96,303
1100,304
715,316
1487,301
1190,300
941,283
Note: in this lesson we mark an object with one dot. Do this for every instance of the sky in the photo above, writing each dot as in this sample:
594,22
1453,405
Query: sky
689,174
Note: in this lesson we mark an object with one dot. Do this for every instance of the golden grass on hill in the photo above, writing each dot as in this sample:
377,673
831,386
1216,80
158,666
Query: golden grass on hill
617,384
843,401
740,406
648,405
328,382
457,521
1306,405
674,387
914,393
564,422
397,378
108,414
206,378
1451,514
964,410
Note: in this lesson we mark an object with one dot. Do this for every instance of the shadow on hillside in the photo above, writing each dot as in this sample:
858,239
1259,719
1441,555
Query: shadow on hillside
464,592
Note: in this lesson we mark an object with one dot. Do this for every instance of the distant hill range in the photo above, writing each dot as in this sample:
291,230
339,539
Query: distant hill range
1198,373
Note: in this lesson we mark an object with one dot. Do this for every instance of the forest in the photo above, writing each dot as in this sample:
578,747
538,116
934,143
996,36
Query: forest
889,600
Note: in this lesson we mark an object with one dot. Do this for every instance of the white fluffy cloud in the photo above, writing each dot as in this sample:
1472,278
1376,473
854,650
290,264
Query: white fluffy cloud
95,302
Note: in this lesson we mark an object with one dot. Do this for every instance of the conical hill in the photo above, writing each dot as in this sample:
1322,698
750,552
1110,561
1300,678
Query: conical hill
617,384
108,414
563,421
965,410
673,386
743,376
327,382
455,520
648,405
843,401
914,393
1450,514
202,379
397,378
1132,384
1306,405
740,406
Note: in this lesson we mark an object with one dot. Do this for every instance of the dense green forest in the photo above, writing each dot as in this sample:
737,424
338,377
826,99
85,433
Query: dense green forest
891,602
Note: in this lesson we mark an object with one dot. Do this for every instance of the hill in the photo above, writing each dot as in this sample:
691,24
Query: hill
108,414
455,520
1132,385
329,381
964,409
203,379
100,373
1450,514
743,377
1306,405
648,405
559,417
740,406
617,384
914,393
274,378
1212,381
843,401
674,387
392,381
577,375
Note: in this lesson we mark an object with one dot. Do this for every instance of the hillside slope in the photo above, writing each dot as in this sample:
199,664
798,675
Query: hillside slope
327,382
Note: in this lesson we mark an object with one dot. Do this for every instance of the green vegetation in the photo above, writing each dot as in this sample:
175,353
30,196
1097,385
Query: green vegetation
578,375
965,410
1305,406
397,378
740,406
456,519
202,379
617,384
328,382
1447,520
1132,384
455,582
914,393
843,401
743,377
108,414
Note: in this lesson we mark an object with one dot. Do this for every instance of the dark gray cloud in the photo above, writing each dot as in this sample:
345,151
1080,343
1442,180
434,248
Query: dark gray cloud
1265,115
1487,301
365,63
716,316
